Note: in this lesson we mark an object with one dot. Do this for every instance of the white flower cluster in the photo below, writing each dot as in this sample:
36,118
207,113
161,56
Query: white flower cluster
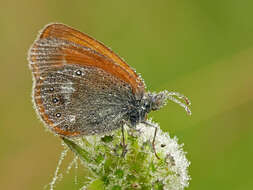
170,150
139,168
167,148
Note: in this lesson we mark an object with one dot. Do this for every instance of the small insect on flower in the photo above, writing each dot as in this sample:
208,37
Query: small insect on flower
82,88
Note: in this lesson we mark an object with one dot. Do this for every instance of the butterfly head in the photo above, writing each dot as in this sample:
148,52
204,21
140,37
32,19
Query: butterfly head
156,100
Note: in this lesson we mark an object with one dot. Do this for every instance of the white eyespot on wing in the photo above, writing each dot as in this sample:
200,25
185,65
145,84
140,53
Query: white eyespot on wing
67,88
72,118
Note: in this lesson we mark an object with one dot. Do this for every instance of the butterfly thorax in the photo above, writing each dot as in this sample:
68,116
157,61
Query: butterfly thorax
140,108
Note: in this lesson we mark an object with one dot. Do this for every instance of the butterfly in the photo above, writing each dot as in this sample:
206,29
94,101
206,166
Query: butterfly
81,87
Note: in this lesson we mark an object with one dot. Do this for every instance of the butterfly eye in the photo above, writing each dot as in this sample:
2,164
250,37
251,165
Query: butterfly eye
147,106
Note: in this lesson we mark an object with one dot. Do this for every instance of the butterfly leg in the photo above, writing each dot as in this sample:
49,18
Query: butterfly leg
123,144
153,141
153,144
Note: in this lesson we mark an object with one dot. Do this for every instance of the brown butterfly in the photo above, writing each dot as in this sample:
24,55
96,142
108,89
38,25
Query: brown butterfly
82,88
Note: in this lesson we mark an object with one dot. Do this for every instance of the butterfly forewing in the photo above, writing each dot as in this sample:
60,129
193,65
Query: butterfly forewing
66,33
69,77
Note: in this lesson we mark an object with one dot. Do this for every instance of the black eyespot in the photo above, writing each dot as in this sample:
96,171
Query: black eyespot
51,89
66,126
78,73
55,100
58,115
163,145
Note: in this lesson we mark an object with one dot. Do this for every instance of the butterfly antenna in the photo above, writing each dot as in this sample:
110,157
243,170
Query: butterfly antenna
177,98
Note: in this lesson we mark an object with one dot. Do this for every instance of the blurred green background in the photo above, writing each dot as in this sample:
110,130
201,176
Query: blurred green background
203,49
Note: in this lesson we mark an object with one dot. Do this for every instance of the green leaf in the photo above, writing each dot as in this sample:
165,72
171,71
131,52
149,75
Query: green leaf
83,154
96,185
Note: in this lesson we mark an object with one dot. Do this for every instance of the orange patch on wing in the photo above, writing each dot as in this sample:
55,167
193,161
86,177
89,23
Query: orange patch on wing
87,58
38,101
59,131
116,67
